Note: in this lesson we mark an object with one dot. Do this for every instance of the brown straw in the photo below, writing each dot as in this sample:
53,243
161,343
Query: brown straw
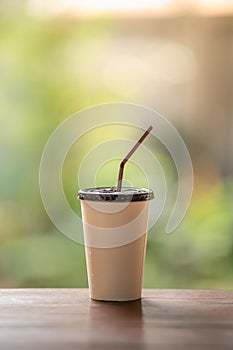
125,160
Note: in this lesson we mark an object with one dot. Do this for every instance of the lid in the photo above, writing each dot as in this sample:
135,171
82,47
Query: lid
110,194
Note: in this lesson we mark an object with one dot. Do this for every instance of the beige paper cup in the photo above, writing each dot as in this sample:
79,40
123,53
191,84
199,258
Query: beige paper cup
115,233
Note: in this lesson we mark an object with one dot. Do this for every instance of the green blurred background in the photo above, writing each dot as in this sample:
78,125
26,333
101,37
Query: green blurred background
57,58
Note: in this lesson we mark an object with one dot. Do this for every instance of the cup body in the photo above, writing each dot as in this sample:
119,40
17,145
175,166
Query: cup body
115,237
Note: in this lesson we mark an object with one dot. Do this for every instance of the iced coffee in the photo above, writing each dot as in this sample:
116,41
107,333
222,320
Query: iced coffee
115,222
115,233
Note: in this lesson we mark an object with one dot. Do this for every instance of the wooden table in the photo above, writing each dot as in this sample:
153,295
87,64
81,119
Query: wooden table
68,319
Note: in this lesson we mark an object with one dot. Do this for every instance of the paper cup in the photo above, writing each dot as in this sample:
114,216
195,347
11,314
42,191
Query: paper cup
115,233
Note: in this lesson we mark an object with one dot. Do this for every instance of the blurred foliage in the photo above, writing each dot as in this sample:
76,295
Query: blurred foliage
39,89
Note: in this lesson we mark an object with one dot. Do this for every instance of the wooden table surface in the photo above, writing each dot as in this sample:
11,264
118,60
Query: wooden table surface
68,319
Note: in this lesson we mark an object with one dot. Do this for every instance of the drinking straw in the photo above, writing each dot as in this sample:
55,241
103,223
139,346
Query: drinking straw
125,160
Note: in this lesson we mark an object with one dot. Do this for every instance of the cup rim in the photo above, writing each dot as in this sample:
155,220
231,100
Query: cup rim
110,194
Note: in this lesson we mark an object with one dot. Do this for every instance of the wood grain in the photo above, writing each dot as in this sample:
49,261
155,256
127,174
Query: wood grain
68,319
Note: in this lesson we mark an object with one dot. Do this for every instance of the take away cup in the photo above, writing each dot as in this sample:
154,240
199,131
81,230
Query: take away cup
115,233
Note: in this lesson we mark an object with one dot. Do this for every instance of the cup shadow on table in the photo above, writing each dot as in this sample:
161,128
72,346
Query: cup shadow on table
115,325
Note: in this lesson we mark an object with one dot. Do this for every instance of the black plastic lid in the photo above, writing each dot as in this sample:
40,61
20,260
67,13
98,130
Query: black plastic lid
110,194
